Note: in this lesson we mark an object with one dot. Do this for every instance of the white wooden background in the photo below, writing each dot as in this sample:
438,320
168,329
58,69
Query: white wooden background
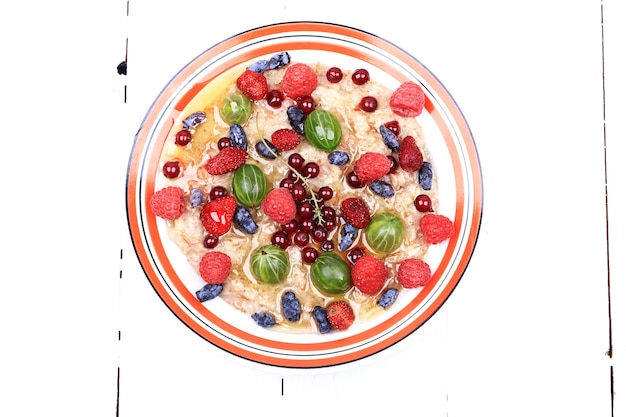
526,332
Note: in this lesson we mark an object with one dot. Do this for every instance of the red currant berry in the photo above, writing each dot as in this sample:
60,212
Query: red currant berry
223,143
330,224
368,104
301,238
298,192
311,170
280,239
306,104
423,203
355,254
394,126
290,227
183,138
309,255
326,193
319,234
305,210
295,161
218,192
210,241
171,169
307,224
394,164
327,246
328,213
354,181
334,75
287,183
275,98
360,76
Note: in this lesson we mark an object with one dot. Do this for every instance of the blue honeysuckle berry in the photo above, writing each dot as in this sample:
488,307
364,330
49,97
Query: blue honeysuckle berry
195,197
264,319
388,297
338,158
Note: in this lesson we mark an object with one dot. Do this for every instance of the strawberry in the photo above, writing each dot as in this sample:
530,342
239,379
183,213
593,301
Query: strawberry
413,273
436,228
407,100
369,274
168,203
299,80
410,157
217,215
279,205
285,139
215,267
356,212
340,314
227,160
252,84
372,166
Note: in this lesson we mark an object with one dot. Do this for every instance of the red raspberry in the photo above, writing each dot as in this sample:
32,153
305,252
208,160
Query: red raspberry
408,100
217,215
410,157
436,228
340,314
369,274
279,205
299,80
285,139
215,267
356,212
372,166
227,160
168,203
413,273
252,84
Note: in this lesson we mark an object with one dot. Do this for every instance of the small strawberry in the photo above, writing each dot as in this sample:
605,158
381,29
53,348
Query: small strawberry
408,100
436,228
279,205
369,274
217,215
340,314
215,267
372,166
356,212
168,203
227,160
413,273
410,157
299,80
252,84
285,139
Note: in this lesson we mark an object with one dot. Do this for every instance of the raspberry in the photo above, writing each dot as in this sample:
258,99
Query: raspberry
217,215
413,273
408,100
340,314
356,212
279,205
227,160
410,157
436,228
215,267
168,203
285,139
252,84
372,166
299,80
369,274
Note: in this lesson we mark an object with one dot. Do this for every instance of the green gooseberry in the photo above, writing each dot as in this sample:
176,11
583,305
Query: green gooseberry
385,232
269,264
331,274
250,185
236,108
322,130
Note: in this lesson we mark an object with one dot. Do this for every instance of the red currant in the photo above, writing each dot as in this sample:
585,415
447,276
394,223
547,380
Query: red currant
305,210
218,192
328,213
275,98
394,164
295,161
319,234
183,138
309,255
423,203
354,181
287,183
330,224
280,239
327,245
368,104
171,169
355,254
311,170
306,104
298,192
301,238
334,75
360,76
307,224
290,227
326,193
223,143
394,126
210,241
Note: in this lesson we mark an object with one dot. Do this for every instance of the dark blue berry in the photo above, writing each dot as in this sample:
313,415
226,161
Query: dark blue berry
388,297
348,236
264,319
244,220
238,137
279,60
321,318
426,176
195,197
194,120
264,146
338,158
291,307
389,138
296,119
382,188
260,66
209,292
